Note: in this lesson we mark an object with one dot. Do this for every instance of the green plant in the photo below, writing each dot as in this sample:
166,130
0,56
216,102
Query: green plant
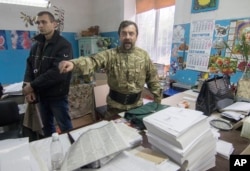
104,42
241,47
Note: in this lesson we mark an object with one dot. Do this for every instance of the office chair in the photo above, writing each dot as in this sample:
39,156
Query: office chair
10,126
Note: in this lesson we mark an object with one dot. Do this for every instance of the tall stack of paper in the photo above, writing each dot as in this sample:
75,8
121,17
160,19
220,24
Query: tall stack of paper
184,135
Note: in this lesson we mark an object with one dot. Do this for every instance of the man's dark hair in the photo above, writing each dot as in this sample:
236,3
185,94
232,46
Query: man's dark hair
127,23
51,16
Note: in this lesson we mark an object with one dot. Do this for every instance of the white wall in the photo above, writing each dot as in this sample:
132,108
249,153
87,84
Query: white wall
10,14
227,9
107,14
79,14
129,10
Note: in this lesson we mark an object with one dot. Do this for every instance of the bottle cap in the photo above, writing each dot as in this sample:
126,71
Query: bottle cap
55,136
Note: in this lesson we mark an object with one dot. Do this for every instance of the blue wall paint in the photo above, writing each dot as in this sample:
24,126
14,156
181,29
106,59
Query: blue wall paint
114,37
13,61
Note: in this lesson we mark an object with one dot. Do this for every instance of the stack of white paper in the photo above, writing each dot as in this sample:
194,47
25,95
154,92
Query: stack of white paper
224,149
239,107
184,135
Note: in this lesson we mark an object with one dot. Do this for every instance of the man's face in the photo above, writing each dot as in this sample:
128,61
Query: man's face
44,25
128,37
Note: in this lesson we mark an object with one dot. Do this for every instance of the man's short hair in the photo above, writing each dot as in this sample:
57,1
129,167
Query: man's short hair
51,16
127,23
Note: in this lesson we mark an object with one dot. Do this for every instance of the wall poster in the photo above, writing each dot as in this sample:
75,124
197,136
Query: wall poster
3,44
20,39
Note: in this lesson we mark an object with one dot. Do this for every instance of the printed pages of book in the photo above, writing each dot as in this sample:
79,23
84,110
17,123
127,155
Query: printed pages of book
93,145
224,148
130,135
241,107
78,132
178,126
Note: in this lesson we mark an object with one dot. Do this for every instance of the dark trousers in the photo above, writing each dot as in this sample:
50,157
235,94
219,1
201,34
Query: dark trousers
58,109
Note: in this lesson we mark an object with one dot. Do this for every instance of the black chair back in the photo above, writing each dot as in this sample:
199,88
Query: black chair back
9,112
9,120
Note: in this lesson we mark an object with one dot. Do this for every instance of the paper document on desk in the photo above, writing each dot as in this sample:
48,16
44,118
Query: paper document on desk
13,89
224,149
94,145
242,107
15,154
233,115
128,161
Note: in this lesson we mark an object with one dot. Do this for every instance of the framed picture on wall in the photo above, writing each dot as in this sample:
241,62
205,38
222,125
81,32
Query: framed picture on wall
204,5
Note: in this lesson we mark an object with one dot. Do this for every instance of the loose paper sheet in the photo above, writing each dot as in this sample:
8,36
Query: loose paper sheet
15,155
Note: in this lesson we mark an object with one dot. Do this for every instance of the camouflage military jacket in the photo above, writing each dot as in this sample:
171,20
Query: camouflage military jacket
127,72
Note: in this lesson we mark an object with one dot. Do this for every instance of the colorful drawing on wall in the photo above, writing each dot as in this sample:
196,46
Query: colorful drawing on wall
204,5
221,31
243,27
3,44
178,34
20,39
179,48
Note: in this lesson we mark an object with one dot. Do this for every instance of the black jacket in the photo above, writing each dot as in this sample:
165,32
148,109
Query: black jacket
42,66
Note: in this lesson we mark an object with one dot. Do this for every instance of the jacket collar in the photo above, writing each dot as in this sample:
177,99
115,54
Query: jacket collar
121,50
41,38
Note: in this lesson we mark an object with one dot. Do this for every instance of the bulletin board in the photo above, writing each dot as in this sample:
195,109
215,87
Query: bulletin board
197,59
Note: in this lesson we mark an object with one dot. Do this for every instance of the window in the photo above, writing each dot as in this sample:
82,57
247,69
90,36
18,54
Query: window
155,33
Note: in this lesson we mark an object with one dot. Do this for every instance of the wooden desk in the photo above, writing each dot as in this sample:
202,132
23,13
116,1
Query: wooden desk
233,136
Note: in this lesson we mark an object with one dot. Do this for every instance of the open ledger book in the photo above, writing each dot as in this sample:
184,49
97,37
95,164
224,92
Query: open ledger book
100,142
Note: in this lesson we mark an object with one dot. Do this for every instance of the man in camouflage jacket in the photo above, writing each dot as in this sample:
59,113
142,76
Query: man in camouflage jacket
128,68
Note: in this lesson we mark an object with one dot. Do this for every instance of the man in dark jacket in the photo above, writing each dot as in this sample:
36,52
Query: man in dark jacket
42,81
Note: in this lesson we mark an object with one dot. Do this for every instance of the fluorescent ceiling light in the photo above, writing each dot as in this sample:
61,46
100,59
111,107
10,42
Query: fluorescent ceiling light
35,3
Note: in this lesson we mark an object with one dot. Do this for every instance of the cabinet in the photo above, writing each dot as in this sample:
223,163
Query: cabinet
88,46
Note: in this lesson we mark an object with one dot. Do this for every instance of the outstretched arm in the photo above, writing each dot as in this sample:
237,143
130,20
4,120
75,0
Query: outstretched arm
65,66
